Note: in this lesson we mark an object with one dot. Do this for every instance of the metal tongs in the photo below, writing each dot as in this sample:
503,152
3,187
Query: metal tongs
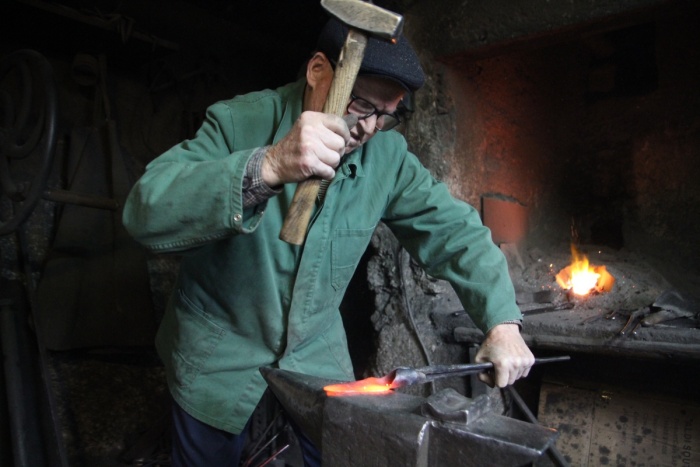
403,376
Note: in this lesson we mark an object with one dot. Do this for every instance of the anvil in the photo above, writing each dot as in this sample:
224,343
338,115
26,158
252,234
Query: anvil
402,429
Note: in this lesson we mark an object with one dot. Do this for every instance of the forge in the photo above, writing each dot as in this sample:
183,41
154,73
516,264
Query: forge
580,135
584,137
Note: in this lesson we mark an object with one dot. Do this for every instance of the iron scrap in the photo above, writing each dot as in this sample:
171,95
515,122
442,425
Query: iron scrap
670,305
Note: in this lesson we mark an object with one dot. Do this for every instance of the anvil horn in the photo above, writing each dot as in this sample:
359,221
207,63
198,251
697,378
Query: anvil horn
301,396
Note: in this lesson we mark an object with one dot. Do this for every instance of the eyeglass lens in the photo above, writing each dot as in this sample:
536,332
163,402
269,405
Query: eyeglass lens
365,109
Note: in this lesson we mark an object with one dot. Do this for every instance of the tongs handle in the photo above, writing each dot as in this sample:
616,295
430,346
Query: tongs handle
443,371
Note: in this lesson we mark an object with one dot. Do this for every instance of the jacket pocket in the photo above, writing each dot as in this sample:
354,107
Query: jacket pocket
347,248
194,339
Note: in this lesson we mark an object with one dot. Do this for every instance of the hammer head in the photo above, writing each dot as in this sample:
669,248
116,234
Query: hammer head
366,17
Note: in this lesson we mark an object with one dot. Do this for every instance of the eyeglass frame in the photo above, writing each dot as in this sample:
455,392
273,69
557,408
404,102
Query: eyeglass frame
394,115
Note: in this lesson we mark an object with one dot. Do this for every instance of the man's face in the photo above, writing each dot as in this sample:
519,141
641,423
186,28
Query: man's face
382,94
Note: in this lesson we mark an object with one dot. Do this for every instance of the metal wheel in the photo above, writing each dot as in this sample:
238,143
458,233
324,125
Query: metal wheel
28,121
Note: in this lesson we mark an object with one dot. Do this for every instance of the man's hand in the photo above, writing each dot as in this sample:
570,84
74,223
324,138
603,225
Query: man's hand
313,147
506,349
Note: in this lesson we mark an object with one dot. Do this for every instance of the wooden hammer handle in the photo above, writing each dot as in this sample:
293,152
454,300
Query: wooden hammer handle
297,221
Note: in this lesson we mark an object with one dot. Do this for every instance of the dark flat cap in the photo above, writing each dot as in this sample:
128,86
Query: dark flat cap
394,61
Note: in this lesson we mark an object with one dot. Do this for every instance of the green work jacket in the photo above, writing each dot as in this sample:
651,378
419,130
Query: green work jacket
245,299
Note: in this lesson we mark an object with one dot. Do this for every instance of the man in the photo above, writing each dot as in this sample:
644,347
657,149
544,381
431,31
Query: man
245,299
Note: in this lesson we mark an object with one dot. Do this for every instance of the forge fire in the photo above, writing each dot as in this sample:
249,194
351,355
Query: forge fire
583,278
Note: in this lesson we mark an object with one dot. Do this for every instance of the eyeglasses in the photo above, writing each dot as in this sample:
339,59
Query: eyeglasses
365,109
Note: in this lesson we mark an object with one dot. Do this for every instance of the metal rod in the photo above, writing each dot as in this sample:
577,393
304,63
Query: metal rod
256,449
26,442
275,455
444,371
80,199
553,453
259,451
53,433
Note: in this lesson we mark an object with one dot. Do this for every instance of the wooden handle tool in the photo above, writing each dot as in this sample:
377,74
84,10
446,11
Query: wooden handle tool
363,19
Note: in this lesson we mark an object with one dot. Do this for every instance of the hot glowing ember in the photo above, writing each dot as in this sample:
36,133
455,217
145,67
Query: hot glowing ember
364,386
583,278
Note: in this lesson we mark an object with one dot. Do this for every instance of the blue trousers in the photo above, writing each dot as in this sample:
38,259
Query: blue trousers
196,444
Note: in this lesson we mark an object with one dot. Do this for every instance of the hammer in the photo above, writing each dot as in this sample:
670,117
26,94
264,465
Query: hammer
363,19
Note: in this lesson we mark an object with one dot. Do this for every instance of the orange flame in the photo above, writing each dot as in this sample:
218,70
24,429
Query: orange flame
364,386
583,278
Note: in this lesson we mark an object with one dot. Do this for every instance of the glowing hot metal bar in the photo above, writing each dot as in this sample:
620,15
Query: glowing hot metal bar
364,386
402,376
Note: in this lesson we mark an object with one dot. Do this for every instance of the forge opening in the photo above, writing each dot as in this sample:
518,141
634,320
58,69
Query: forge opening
595,134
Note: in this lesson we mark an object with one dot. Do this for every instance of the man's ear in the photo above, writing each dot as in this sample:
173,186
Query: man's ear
319,76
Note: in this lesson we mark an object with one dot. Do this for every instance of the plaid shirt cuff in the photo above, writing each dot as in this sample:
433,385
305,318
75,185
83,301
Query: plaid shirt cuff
255,190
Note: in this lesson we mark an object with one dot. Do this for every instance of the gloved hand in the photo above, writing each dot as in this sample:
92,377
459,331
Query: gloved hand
506,349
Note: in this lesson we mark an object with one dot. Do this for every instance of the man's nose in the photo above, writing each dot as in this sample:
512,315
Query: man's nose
369,124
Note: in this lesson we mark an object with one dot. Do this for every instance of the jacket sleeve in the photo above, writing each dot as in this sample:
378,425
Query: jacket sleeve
192,194
447,238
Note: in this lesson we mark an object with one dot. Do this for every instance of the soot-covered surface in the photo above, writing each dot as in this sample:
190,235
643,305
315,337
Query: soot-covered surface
607,323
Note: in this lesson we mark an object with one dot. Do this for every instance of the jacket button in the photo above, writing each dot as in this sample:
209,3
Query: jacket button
237,217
